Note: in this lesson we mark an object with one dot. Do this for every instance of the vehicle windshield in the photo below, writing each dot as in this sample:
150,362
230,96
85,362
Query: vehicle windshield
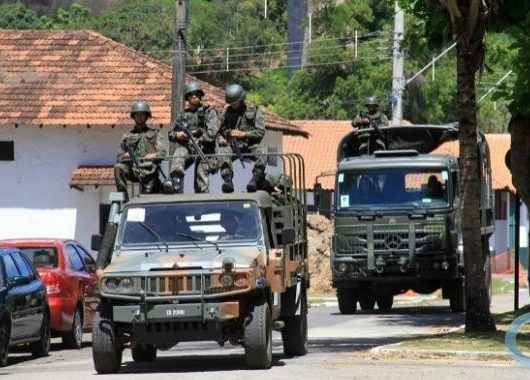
190,223
42,257
392,188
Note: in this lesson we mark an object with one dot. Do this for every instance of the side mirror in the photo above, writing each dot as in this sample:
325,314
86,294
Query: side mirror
95,242
17,281
288,236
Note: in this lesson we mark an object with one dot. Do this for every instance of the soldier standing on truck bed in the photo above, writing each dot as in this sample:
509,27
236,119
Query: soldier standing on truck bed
203,123
140,153
372,117
242,129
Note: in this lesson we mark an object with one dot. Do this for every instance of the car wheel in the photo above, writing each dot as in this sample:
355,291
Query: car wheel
143,353
4,342
347,300
294,333
106,350
258,338
42,346
74,337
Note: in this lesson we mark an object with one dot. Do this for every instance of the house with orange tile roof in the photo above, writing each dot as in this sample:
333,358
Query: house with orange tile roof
320,154
64,105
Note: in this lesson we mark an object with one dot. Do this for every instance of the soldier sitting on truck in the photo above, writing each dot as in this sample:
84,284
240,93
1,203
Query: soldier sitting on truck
140,153
372,117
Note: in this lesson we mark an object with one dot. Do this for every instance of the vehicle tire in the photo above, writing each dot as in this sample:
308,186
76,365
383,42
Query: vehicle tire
4,342
457,298
258,338
367,302
74,338
385,302
347,300
106,351
294,333
41,347
143,353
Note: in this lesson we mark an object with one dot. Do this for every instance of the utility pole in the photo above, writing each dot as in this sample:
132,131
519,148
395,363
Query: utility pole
398,81
179,60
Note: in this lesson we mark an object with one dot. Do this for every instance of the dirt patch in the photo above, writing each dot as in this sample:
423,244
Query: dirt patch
319,233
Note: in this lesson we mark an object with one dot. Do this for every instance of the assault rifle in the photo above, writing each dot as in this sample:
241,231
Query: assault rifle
182,126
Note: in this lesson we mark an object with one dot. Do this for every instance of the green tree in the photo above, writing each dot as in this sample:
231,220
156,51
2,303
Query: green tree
18,16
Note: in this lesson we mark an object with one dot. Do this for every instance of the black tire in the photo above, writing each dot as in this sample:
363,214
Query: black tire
385,302
5,334
107,245
74,338
258,338
41,347
143,353
367,302
347,300
294,333
106,351
457,298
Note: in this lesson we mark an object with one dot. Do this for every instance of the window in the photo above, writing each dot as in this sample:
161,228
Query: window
75,261
22,265
11,268
89,262
7,151
42,257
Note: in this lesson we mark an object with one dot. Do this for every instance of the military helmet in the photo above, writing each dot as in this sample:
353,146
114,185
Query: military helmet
193,87
371,101
234,93
139,107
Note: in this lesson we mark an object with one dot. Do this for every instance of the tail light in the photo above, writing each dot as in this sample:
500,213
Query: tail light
53,284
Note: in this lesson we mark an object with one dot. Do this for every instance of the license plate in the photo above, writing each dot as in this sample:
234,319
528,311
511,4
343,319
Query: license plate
175,313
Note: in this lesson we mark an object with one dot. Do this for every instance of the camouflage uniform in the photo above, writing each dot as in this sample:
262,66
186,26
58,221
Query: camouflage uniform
142,140
204,126
376,119
249,119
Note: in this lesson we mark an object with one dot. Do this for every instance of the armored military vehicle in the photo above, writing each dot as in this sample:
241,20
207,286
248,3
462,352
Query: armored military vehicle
204,267
397,216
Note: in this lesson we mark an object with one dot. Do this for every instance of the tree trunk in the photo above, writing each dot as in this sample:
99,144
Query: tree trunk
470,51
520,156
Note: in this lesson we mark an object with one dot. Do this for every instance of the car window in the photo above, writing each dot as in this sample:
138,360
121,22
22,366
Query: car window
75,261
90,264
42,257
11,268
22,265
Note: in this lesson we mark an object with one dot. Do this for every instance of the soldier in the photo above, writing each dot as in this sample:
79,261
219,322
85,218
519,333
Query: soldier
203,123
371,116
242,129
145,146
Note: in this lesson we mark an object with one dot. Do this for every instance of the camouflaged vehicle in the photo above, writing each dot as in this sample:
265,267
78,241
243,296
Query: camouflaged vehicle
397,217
204,267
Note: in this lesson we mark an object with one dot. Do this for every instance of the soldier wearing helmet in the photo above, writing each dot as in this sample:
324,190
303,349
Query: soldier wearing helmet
203,123
145,145
372,115
242,129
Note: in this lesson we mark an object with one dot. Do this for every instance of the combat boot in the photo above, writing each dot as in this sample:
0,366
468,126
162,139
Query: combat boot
257,180
228,184
177,179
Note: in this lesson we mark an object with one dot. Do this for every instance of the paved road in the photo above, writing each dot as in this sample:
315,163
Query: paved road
339,349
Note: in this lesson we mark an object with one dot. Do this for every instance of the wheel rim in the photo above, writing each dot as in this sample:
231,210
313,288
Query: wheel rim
78,331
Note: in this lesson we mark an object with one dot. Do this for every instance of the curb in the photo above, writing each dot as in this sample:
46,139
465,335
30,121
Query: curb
419,353
332,301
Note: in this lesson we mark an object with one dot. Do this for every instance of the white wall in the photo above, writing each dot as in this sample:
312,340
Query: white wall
35,197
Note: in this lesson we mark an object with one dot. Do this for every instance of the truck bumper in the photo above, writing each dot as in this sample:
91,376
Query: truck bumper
193,312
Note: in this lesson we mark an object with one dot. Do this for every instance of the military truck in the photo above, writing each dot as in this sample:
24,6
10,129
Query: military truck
397,217
204,267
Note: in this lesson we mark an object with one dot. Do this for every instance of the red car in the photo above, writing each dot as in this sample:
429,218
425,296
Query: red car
69,274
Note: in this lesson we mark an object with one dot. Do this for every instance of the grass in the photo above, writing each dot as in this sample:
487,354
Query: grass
488,342
501,286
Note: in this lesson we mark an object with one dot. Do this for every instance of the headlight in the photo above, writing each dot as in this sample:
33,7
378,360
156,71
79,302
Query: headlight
119,285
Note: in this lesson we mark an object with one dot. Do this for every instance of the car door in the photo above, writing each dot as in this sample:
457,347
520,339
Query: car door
15,299
75,273
89,281
34,297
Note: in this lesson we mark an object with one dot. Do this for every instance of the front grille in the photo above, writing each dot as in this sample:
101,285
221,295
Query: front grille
386,238
177,285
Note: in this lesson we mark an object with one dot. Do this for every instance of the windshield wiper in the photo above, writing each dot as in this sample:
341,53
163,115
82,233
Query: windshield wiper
156,235
196,240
